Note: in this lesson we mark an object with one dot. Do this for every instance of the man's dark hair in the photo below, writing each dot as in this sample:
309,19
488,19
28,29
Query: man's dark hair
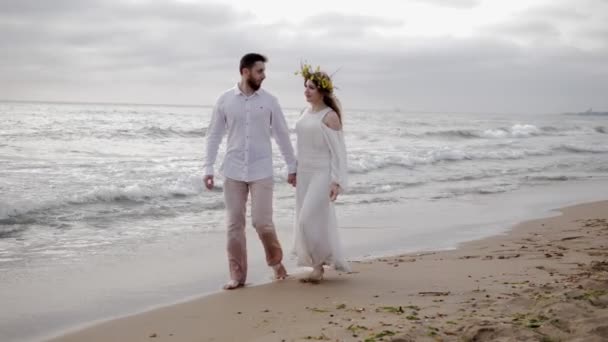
250,59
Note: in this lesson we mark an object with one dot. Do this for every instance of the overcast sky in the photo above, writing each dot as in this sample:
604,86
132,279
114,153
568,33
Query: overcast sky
431,55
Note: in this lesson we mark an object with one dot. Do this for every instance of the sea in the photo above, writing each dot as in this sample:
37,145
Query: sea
103,211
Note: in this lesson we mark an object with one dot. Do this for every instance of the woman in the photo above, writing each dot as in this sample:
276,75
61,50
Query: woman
321,177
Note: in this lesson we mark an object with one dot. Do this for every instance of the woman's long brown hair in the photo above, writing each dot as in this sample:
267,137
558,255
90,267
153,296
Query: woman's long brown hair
329,98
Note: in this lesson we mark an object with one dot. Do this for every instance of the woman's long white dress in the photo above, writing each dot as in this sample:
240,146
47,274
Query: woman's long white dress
321,154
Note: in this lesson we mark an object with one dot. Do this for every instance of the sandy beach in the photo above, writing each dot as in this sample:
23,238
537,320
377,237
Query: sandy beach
545,280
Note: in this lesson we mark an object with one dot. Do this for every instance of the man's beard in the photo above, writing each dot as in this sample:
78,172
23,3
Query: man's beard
253,85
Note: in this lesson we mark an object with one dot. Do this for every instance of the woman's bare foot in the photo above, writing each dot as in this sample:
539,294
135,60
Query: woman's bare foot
317,273
280,272
315,276
233,284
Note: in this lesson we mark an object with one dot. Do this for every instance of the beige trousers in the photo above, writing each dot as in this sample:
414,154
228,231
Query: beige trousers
235,197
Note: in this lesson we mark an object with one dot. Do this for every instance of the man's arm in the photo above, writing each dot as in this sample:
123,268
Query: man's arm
215,134
281,136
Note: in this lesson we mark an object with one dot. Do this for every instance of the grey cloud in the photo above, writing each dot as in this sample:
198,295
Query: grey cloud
115,9
346,26
565,11
160,33
334,19
559,22
527,30
598,34
44,8
461,4
188,53
558,12
449,74
71,22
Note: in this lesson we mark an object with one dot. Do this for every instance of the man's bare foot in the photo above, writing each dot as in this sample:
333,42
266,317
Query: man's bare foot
280,272
233,284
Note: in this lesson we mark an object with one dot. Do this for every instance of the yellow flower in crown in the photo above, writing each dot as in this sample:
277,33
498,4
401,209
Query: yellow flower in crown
320,78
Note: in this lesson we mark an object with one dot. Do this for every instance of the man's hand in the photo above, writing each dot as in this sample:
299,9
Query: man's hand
208,180
334,190
291,179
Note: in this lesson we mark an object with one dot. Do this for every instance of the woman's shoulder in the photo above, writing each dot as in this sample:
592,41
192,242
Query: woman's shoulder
332,120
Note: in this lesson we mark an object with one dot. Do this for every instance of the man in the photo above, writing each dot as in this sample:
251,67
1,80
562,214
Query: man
250,116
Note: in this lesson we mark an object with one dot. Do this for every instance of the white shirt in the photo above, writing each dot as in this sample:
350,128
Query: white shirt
250,121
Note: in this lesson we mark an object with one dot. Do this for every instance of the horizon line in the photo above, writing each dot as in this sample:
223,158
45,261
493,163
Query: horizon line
393,109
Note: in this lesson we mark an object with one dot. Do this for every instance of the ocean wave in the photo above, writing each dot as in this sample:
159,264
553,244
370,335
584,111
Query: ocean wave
180,188
27,212
479,190
15,214
361,163
468,178
455,133
515,131
159,132
7,210
151,132
133,193
364,163
9,229
380,188
583,148
140,133
551,178
368,201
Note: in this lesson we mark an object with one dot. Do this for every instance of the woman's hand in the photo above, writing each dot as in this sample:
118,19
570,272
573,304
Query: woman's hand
334,190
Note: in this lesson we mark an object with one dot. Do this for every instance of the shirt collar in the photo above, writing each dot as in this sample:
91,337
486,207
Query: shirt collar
237,91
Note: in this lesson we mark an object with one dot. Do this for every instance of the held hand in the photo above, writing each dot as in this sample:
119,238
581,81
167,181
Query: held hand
208,180
291,179
334,190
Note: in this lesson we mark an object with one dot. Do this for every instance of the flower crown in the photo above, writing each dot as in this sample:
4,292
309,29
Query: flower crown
320,78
